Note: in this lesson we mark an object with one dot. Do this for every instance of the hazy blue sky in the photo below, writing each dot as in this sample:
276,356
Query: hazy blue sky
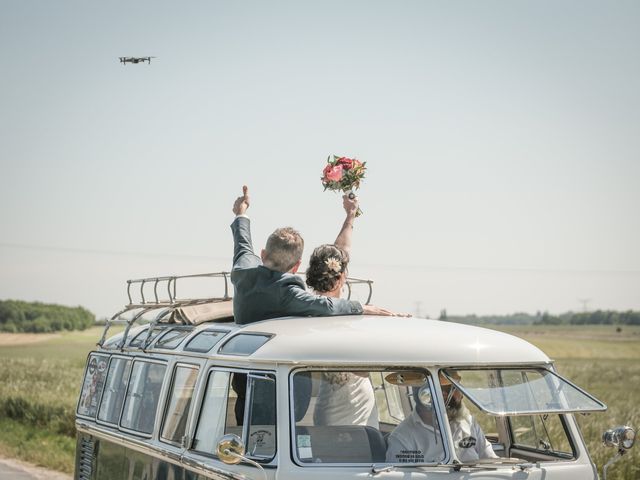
502,140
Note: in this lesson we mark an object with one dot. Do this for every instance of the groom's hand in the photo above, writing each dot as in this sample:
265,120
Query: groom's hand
350,205
242,203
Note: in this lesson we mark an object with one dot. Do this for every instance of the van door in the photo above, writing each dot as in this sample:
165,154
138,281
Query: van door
239,402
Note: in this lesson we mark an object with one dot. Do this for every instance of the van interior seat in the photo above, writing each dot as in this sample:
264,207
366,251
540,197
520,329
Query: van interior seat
340,444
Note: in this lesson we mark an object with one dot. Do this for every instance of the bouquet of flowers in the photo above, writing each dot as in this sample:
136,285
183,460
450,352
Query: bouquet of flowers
343,174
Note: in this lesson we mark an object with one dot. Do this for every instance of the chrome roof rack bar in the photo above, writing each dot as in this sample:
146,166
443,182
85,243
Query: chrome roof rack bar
359,281
172,302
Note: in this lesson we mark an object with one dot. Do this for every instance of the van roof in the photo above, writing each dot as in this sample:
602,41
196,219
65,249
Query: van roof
388,341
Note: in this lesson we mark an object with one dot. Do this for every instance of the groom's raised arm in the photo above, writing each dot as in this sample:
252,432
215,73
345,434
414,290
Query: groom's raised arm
243,256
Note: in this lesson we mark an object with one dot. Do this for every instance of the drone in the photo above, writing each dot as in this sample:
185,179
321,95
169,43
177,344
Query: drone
125,60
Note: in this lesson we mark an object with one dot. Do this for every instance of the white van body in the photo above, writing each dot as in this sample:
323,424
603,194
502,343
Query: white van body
193,396
360,343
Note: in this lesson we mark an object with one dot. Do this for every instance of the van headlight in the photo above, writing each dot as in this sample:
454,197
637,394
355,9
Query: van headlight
622,437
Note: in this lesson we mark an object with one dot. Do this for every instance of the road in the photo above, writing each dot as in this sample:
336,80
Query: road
15,470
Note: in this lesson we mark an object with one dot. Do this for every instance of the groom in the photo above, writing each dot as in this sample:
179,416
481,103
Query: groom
267,287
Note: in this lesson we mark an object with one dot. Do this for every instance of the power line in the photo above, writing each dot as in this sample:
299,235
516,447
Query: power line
433,268
108,252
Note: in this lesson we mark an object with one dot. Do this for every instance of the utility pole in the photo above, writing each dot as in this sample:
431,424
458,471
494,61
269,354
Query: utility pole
418,310
584,302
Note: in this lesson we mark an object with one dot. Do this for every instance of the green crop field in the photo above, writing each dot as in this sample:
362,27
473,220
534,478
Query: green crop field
40,377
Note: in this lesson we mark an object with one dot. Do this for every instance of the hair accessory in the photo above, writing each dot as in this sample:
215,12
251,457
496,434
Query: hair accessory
333,264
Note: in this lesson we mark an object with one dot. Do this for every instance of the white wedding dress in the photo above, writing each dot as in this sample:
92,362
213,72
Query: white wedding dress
345,398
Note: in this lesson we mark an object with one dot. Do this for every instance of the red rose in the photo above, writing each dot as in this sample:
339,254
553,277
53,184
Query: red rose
332,174
347,163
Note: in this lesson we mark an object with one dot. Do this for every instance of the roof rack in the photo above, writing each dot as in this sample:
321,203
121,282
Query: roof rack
140,299
168,307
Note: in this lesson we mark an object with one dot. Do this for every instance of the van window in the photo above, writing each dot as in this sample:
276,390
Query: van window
179,401
142,397
213,412
114,391
244,344
262,417
541,433
92,385
224,410
204,341
521,391
140,338
352,417
173,338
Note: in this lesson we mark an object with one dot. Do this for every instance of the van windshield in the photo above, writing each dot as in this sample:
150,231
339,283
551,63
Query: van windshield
522,392
399,416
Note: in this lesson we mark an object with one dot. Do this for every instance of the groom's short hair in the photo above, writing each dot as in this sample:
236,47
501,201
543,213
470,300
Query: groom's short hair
283,250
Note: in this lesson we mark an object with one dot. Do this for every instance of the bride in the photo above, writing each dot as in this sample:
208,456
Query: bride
344,398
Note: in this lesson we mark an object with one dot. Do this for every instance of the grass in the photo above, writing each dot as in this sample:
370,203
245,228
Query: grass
606,363
39,385
40,381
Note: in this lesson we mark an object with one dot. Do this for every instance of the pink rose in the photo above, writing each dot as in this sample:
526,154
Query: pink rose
333,174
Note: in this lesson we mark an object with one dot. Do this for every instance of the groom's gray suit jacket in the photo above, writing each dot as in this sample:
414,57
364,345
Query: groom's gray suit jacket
262,293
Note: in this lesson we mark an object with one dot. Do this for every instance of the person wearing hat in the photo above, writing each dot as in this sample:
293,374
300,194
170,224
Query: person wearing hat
417,439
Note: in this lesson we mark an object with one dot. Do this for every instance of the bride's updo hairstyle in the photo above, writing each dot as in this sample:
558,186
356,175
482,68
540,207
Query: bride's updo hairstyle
326,266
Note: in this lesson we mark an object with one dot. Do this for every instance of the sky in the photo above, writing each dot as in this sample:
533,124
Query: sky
502,143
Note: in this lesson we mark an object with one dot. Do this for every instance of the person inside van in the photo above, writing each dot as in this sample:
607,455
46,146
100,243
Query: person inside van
344,398
266,286
419,433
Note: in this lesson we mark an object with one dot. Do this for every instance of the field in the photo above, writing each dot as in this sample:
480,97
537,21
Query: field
40,376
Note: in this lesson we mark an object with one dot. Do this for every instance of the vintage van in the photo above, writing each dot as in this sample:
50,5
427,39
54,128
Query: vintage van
190,395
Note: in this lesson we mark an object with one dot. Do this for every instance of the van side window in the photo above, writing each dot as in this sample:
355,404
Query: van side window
213,412
224,411
179,401
351,417
173,338
142,397
113,396
542,433
244,344
204,341
92,385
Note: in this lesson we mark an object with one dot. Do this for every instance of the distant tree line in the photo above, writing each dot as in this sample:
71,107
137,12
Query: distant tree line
598,317
34,317
518,318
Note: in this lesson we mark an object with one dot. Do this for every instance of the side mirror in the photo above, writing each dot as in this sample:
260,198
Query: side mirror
621,437
230,449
